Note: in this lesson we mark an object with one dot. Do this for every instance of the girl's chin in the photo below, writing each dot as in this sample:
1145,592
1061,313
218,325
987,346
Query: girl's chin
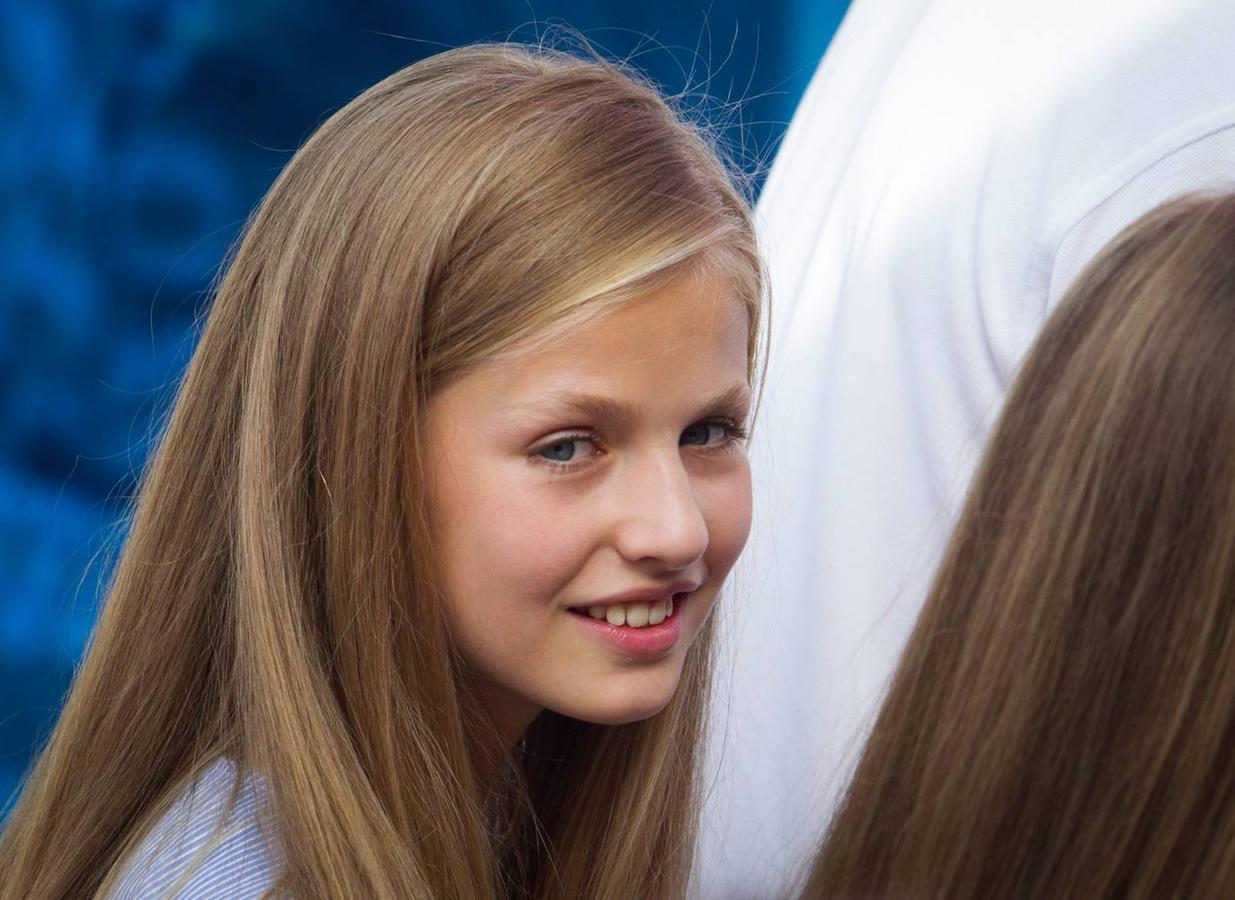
619,710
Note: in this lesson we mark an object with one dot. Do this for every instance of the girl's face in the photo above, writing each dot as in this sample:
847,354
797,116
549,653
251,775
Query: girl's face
580,490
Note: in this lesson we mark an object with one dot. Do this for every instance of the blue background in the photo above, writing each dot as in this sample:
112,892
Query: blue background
135,136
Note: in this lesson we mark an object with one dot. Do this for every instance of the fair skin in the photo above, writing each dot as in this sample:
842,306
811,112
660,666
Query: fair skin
604,470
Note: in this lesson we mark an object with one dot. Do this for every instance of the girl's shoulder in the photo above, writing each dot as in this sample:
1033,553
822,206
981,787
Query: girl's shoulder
205,846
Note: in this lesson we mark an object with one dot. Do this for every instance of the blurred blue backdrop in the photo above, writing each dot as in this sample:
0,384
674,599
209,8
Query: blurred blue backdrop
136,137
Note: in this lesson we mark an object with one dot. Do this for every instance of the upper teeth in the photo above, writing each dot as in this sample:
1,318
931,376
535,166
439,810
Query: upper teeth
634,615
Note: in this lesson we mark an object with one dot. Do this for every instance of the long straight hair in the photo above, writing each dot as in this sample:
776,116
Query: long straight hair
1063,718
276,600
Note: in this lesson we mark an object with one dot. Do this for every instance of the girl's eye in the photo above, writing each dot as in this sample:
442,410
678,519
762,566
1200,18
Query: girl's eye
566,450
709,434
560,451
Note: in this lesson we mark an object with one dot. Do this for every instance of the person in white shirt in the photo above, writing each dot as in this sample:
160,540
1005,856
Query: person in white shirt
951,168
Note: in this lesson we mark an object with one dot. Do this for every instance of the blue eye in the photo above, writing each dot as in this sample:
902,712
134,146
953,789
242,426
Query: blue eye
565,451
702,433
559,451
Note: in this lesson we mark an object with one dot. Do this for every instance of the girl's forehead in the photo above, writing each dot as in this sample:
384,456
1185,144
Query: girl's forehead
692,309
686,340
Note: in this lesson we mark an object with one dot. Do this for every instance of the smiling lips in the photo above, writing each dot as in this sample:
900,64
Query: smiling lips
634,615
638,608
643,623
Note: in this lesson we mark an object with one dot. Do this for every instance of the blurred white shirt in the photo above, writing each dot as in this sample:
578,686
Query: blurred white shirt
951,168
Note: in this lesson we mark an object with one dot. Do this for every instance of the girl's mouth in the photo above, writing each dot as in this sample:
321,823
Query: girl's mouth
637,628
631,615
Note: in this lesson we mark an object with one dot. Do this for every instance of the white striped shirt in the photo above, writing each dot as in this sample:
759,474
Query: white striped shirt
200,850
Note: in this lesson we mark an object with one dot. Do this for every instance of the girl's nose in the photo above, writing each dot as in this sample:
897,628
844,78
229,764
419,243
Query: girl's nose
659,518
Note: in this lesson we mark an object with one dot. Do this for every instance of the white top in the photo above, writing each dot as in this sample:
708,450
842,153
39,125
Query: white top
201,851
952,166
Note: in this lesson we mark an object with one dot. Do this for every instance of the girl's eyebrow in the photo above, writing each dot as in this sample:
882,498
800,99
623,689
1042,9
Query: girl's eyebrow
734,400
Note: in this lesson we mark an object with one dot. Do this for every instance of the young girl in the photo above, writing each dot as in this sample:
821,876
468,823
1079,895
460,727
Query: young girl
1062,720
415,600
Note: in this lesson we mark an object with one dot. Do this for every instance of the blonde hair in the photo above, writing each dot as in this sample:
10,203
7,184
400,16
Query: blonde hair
276,600
1061,722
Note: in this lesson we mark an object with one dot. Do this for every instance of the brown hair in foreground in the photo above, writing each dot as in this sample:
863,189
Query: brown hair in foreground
1062,723
276,602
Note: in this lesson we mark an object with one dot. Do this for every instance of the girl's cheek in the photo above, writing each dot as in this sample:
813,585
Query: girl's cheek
540,542
729,517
